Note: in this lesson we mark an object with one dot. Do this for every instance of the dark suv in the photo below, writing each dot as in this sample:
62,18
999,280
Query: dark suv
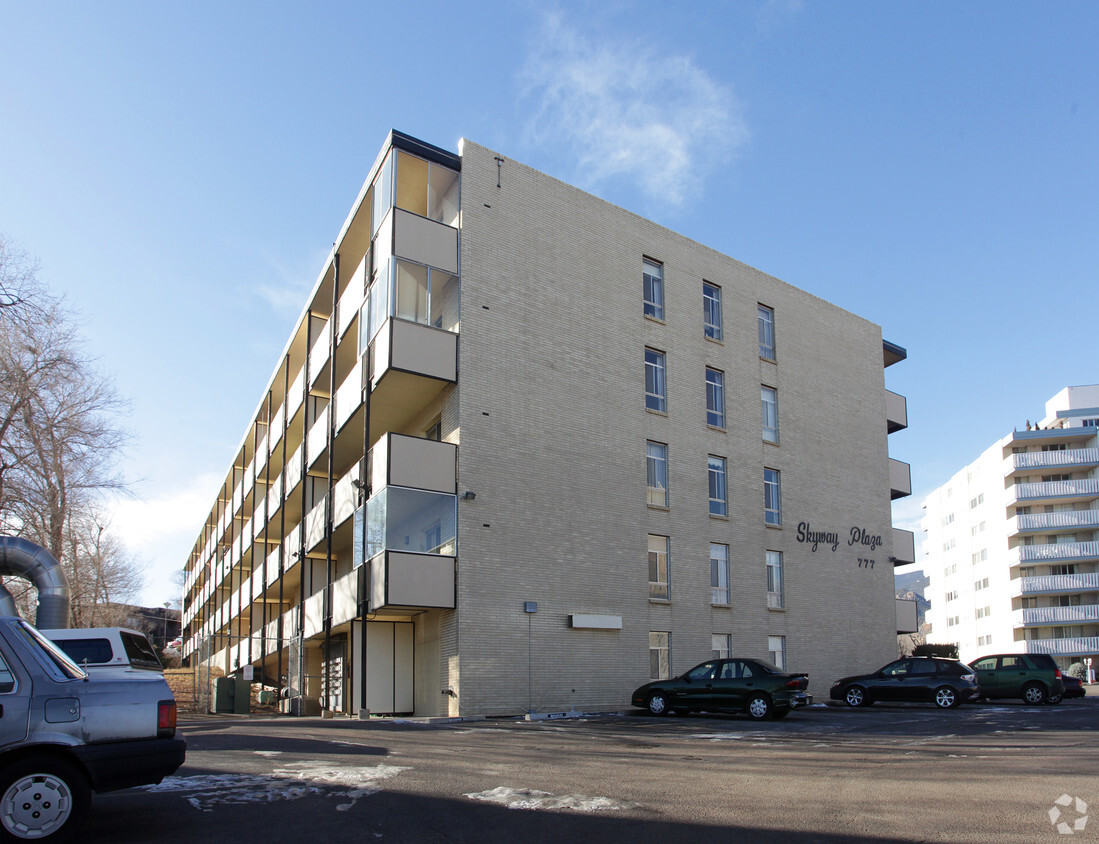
945,682
1033,677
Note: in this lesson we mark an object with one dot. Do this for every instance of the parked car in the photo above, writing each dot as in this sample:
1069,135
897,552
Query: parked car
945,682
114,651
1074,687
727,685
1035,678
65,734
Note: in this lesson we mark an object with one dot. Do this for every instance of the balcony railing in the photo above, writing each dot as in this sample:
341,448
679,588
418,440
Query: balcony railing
904,547
1035,616
1052,584
1054,521
1055,459
1045,553
900,479
1080,646
411,580
1082,489
896,411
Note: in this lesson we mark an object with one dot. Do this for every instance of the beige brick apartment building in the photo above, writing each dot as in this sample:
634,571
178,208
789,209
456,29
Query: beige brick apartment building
525,450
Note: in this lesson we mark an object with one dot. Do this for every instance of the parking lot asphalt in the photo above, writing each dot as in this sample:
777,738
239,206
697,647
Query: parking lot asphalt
1001,772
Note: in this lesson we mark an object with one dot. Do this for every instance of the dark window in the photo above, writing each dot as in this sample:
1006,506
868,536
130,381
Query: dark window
90,651
140,652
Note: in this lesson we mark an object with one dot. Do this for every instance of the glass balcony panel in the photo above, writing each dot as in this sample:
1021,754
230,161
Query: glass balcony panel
412,183
443,191
410,520
412,292
383,191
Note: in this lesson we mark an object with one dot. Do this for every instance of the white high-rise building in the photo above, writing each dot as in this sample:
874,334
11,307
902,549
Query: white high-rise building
1013,540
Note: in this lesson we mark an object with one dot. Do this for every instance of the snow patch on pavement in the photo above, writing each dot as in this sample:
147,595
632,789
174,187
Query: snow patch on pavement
526,798
288,782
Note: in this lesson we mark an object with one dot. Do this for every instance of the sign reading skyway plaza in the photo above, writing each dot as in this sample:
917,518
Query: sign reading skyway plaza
856,536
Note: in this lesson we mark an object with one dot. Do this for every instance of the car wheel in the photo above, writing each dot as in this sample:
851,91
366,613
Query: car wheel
1034,693
42,798
658,704
1055,699
946,698
856,696
760,707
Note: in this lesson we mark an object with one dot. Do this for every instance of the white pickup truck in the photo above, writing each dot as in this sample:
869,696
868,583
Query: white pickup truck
108,651
65,734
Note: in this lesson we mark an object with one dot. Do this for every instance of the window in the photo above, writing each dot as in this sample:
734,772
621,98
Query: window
772,501
719,573
658,567
980,584
715,397
435,432
711,310
1090,423
983,640
655,389
7,679
984,612
952,595
776,647
660,656
719,504
775,600
766,333
948,519
974,502
769,398
980,556
951,622
658,474
654,289
721,644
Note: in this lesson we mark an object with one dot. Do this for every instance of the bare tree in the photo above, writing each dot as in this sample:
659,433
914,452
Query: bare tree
60,441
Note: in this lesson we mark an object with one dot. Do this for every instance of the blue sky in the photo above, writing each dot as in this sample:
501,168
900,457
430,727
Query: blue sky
180,171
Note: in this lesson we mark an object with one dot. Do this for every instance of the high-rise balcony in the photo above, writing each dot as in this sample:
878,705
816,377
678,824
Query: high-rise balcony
896,411
1043,616
1064,492
1054,584
900,479
1069,521
411,364
1067,551
904,547
1069,458
1079,646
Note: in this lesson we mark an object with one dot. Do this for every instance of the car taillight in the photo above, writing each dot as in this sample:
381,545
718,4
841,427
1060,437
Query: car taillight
166,718
1057,673
969,677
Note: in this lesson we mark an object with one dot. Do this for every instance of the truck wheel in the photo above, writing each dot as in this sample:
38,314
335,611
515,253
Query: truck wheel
42,798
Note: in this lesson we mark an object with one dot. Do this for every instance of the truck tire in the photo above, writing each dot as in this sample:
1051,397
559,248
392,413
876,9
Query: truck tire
42,798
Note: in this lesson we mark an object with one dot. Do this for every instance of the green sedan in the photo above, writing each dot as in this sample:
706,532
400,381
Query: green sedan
727,685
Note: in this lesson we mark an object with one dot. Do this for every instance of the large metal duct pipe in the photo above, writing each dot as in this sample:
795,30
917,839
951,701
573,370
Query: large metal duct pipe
22,558
7,603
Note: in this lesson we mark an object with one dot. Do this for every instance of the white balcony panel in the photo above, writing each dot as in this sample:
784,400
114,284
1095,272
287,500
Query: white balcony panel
349,395
292,474
425,241
1083,490
318,438
344,500
416,349
352,298
275,430
907,616
414,462
272,567
1055,459
1050,584
1082,614
900,479
319,353
411,580
345,598
904,546
896,411
314,526
1045,553
1070,520
296,395
1082,646
314,614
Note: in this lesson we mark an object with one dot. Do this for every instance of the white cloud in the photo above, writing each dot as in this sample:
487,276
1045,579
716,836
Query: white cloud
160,531
628,110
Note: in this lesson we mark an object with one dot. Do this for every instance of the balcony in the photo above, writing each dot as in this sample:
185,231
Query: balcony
1039,616
399,460
907,615
896,411
1070,458
1054,584
904,547
411,580
1063,491
1053,522
1072,551
411,364
1081,646
900,479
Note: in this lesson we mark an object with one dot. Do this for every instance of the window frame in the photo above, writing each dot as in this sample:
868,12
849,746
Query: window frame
772,497
765,316
776,581
656,467
778,656
721,645
656,399
653,289
660,655
719,572
717,476
665,565
715,398
711,312
772,405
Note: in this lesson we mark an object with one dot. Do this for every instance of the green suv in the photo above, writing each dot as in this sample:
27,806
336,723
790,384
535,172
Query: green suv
1033,677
